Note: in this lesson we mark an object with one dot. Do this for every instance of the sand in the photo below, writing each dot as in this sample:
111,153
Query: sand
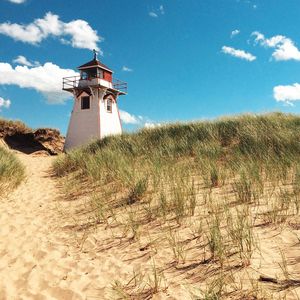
43,257
37,257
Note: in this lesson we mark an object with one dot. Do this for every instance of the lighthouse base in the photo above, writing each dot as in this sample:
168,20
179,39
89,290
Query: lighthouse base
93,117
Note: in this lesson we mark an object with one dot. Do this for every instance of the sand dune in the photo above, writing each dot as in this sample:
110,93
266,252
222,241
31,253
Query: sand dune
41,258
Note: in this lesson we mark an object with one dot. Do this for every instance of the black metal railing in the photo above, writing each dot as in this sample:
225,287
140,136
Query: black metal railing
70,82
120,85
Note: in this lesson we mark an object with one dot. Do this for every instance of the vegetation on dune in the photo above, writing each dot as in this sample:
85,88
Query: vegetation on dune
268,139
18,136
219,179
11,171
12,127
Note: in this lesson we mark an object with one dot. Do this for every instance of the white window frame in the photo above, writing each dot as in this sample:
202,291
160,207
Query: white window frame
109,100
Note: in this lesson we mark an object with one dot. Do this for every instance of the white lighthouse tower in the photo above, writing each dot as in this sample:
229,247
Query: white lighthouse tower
95,112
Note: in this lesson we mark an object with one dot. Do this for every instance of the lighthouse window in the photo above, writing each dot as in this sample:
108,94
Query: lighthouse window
84,75
109,105
85,102
99,73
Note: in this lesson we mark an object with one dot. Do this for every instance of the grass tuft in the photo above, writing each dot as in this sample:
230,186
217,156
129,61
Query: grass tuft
11,171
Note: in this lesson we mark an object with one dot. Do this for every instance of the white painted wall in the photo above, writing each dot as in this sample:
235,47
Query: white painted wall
95,81
93,123
109,121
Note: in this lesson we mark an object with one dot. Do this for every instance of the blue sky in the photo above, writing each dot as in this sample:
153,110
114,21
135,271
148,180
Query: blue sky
183,59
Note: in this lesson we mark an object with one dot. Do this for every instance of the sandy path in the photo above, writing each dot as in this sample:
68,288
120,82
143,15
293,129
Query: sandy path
40,257
36,261
30,248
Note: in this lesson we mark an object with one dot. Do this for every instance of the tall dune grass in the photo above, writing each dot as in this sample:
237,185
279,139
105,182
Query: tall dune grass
247,149
221,177
11,171
271,139
164,168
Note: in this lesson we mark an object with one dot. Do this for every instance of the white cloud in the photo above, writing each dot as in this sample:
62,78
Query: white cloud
287,93
126,69
50,25
22,60
27,34
83,36
234,33
4,103
285,48
238,53
128,118
151,125
139,121
271,42
162,9
17,1
46,79
153,14
286,51
156,12
79,31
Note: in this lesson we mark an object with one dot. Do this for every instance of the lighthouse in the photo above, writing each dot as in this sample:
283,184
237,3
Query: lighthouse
95,111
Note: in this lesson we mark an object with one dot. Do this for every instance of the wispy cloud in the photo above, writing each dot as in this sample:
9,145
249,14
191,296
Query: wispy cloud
126,69
139,121
238,53
45,79
234,33
128,118
285,48
287,93
162,10
155,13
22,60
151,125
4,103
80,33
250,3
17,1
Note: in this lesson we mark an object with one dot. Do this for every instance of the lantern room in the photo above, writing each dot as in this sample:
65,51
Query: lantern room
95,69
94,74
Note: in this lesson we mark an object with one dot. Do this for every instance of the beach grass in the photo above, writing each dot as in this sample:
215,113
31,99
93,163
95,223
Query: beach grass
219,180
12,171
